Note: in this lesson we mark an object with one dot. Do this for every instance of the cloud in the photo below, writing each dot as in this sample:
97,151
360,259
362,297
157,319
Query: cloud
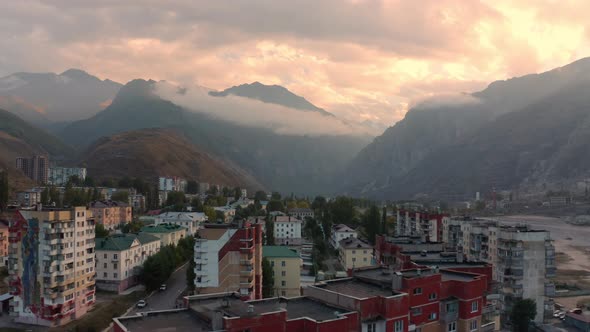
252,113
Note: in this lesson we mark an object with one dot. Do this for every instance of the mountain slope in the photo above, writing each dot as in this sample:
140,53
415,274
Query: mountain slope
451,152
43,98
149,153
273,94
298,164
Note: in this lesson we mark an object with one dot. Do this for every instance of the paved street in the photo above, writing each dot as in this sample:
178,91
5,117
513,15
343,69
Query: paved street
161,300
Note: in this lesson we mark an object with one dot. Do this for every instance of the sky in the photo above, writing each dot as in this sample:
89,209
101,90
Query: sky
361,60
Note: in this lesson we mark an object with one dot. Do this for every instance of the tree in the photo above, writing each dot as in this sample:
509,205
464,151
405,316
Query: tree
237,193
176,199
275,196
268,280
319,203
75,180
342,210
372,223
275,205
132,227
89,182
120,196
260,196
192,187
210,213
45,196
270,235
291,205
197,204
303,204
523,311
384,221
100,231
3,190
125,182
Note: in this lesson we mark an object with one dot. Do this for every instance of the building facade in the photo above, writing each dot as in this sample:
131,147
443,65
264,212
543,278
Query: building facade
287,230
339,233
169,234
59,176
354,253
424,224
119,259
28,198
51,266
3,242
189,220
111,214
36,168
286,268
229,258
301,213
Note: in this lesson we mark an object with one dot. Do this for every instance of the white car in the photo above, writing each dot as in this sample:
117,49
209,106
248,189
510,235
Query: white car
556,313
163,287
141,304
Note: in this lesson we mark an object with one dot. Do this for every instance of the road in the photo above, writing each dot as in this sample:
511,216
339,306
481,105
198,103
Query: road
162,300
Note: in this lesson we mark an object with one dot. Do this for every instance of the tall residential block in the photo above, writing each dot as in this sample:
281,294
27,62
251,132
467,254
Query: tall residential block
228,258
286,269
51,266
426,225
36,168
59,176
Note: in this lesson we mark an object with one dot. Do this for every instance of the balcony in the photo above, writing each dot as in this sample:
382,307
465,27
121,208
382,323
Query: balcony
488,327
201,261
246,271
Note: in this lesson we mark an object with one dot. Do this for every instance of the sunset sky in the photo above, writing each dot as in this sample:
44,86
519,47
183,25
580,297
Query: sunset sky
361,60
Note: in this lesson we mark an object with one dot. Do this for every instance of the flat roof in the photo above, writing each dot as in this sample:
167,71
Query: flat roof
184,320
357,288
300,307
384,275
211,233
456,275
279,252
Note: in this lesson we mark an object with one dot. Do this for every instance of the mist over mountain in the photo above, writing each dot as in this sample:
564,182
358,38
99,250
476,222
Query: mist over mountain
46,98
273,94
522,132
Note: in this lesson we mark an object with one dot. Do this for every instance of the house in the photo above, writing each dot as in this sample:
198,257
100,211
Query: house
111,214
28,198
287,230
340,232
286,269
119,259
169,234
301,213
354,253
228,212
189,220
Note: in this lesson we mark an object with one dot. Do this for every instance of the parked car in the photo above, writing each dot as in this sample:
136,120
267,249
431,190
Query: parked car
163,287
576,311
141,304
561,316
556,313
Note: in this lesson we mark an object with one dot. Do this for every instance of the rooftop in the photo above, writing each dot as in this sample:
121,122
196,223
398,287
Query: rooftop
354,243
342,228
278,251
385,276
211,233
300,210
105,204
456,275
183,320
162,228
287,219
183,215
357,288
119,242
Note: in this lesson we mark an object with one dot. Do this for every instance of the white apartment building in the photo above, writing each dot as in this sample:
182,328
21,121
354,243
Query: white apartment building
51,266
59,176
287,230
341,232
189,220
171,183
301,213
119,258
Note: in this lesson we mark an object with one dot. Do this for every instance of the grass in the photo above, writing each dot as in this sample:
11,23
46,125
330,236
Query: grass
102,314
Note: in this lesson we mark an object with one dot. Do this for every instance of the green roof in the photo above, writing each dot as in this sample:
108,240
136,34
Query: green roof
120,242
162,228
278,251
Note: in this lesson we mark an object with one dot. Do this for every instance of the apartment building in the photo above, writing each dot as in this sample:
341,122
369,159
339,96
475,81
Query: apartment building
111,213
286,269
3,242
523,258
171,183
301,213
59,176
51,266
28,198
354,253
189,220
287,230
169,234
36,168
424,224
229,258
339,233
119,259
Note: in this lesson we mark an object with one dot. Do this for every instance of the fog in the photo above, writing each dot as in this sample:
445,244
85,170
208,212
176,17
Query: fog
253,113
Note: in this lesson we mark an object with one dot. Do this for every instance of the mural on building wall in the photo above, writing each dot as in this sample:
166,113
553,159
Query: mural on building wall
31,294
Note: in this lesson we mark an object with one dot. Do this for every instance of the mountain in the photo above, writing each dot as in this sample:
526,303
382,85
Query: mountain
525,132
45,98
149,153
288,163
273,94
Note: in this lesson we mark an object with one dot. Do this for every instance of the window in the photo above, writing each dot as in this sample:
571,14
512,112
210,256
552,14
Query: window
473,325
105,265
417,291
432,316
474,306
115,275
354,259
354,251
114,265
416,311
398,326
105,256
114,256
272,263
451,307
452,327
432,296
371,327
365,259
283,283
104,275
283,273
282,263
283,293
